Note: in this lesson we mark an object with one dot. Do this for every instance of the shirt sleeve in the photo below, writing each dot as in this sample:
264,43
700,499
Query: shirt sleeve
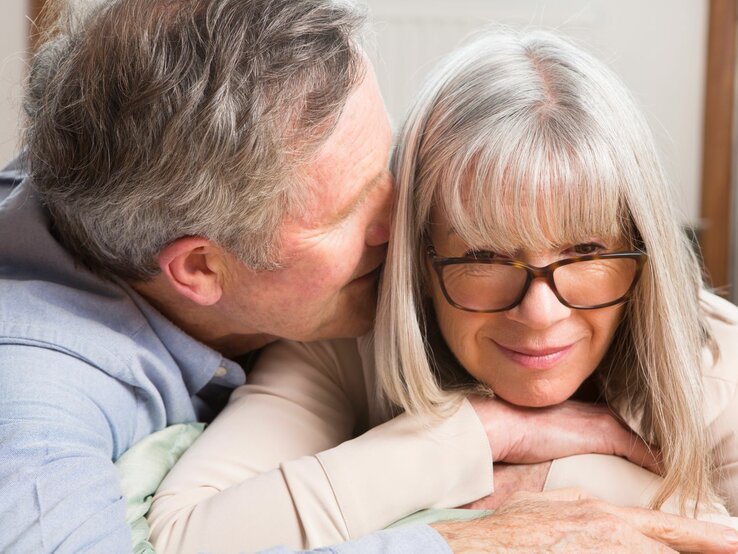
58,484
283,463
414,539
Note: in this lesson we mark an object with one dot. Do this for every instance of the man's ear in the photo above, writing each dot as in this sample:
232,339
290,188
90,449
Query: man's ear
194,267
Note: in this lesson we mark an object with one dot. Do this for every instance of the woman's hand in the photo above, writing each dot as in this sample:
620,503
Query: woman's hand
530,435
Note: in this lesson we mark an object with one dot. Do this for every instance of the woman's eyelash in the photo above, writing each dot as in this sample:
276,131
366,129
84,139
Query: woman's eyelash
589,247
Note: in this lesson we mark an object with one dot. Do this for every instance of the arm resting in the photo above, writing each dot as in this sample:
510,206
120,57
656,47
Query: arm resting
281,466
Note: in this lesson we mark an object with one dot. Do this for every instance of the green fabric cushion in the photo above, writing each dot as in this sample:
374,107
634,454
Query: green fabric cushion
437,514
143,467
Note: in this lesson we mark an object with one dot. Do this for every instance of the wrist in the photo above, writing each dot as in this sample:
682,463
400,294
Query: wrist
493,420
450,531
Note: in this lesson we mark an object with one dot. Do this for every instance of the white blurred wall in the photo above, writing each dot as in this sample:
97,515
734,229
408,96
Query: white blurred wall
658,47
13,64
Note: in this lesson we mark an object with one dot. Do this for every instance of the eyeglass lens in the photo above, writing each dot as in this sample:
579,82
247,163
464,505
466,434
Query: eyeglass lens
478,286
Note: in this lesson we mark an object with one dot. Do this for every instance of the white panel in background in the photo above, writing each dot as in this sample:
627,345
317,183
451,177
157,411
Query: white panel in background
13,64
658,48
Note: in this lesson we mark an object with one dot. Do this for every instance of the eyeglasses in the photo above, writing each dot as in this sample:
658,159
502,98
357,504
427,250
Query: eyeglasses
496,285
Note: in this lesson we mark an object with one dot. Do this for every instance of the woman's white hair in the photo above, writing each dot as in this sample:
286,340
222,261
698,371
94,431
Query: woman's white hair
522,140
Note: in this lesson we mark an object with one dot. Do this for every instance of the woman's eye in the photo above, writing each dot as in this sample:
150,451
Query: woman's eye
587,248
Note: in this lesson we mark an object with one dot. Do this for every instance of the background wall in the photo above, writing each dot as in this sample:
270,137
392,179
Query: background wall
658,48
13,63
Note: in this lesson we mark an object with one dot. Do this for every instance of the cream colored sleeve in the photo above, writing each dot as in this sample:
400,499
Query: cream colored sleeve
281,465
620,482
720,380
725,436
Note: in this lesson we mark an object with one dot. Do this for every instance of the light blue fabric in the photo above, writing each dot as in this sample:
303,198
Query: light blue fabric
437,514
87,369
410,539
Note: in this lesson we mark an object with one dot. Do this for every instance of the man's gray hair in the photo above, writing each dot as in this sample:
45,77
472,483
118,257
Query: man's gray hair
150,120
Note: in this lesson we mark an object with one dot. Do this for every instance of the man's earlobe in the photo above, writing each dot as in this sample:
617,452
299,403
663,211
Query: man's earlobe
194,266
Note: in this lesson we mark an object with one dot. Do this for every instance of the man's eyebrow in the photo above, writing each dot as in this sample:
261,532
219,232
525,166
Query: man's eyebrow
360,198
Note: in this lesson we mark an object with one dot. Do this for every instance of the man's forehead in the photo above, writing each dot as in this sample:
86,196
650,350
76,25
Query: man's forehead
352,161
327,206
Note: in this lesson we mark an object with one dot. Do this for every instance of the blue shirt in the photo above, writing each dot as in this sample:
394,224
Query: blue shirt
87,369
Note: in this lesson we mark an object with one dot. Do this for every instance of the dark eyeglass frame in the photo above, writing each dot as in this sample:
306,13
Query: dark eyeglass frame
533,273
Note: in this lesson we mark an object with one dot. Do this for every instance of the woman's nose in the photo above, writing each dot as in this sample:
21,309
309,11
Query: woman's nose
540,308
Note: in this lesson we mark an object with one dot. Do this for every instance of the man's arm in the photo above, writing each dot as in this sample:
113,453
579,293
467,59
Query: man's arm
413,539
58,484
568,520
556,521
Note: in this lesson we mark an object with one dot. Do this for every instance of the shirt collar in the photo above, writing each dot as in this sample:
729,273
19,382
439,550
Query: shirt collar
198,363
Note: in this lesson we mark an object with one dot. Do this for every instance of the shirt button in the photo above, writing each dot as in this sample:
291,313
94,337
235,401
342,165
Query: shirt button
221,372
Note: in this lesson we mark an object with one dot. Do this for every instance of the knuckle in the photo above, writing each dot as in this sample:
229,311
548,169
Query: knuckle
609,521
666,532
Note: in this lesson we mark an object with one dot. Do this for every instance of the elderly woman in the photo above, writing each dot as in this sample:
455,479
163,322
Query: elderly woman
535,257
536,253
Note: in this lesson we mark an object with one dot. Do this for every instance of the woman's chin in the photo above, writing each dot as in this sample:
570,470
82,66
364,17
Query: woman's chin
531,399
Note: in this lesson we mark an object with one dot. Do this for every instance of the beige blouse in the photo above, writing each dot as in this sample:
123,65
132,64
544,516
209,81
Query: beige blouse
300,455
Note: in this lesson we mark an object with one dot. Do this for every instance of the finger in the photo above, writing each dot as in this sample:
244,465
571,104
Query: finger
680,533
650,545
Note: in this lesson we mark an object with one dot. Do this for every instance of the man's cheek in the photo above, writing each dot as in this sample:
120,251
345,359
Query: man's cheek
319,282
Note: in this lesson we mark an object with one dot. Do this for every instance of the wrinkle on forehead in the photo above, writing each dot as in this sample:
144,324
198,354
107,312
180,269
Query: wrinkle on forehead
343,172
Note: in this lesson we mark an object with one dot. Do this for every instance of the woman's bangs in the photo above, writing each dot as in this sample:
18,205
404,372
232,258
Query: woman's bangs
533,195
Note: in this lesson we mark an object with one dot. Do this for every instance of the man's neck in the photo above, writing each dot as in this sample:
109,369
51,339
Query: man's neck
204,323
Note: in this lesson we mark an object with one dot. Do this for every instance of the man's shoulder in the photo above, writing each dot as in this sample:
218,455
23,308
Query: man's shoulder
52,311
50,302
90,357
61,334
99,327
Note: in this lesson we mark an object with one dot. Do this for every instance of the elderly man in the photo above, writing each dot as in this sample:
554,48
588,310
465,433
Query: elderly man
207,176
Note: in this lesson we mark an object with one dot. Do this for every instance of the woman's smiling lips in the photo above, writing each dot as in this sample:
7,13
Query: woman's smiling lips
539,358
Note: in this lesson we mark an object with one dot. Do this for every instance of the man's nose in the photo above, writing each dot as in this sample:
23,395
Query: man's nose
378,231
540,308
